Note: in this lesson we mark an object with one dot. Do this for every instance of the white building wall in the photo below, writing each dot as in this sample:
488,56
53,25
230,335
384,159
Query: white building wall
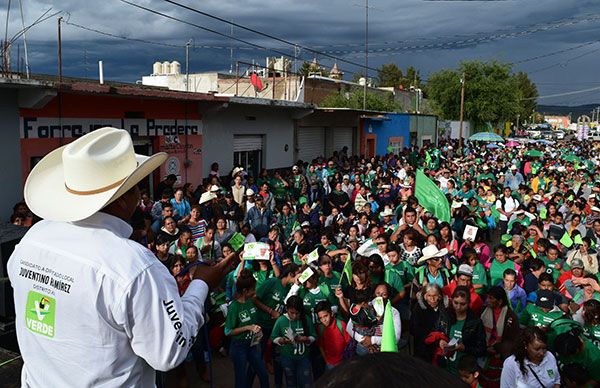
276,125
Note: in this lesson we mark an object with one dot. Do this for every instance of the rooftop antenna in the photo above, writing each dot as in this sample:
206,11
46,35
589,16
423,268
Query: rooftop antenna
24,38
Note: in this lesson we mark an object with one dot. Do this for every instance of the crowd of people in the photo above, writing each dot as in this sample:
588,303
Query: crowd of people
505,293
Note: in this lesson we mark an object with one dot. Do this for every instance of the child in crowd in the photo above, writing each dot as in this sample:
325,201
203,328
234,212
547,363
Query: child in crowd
363,318
468,370
294,332
333,337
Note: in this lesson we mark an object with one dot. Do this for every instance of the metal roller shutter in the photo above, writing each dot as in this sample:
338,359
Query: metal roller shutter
247,143
311,143
342,137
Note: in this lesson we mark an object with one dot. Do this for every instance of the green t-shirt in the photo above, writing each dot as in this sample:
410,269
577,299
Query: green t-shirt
480,277
452,361
294,350
271,293
332,282
278,188
241,314
404,269
535,316
262,276
497,271
593,334
589,357
310,298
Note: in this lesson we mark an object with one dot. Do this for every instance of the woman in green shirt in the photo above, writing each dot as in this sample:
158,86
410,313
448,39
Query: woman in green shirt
294,334
480,283
330,277
500,263
241,326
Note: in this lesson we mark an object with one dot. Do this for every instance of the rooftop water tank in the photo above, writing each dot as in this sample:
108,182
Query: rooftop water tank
175,67
156,68
166,67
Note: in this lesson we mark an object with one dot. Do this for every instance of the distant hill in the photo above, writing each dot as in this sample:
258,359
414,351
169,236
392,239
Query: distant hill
574,111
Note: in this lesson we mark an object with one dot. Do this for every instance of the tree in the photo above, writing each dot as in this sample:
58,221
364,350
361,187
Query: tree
528,95
353,99
411,78
492,92
389,75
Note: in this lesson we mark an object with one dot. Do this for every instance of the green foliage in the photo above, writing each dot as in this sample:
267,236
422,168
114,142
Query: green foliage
528,95
492,92
391,75
353,99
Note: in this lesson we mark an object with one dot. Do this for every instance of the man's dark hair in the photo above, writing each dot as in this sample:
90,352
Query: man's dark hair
536,264
171,177
545,277
166,205
390,370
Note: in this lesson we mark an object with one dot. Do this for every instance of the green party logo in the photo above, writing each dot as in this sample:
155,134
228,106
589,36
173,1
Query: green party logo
40,314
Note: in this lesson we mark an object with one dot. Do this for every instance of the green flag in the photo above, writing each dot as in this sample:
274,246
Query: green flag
295,226
237,241
566,240
388,337
543,213
578,240
431,197
390,148
347,270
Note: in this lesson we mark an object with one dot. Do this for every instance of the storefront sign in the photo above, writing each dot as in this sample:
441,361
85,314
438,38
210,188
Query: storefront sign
53,127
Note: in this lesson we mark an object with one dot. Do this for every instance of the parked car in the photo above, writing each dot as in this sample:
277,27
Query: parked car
594,135
549,135
559,134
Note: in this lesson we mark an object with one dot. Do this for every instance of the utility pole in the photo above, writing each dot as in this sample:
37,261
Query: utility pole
462,108
366,53
59,53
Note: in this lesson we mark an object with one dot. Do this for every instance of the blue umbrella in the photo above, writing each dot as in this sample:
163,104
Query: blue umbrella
486,136
544,141
493,146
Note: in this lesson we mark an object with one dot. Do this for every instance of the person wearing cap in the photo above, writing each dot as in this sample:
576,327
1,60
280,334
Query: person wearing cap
464,277
543,312
506,205
117,299
259,217
565,281
347,186
513,178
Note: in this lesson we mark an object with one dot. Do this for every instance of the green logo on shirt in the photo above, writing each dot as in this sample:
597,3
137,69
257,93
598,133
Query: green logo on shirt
40,313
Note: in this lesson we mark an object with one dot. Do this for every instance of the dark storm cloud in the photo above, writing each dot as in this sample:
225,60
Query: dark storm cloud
327,26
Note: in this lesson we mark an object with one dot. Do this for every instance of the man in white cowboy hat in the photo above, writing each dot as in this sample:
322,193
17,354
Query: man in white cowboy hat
431,267
94,308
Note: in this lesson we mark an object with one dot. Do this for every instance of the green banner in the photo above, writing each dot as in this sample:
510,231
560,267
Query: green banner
431,197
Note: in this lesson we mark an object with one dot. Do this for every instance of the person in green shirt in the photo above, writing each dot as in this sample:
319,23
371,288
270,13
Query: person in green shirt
313,292
270,297
279,186
500,263
591,321
242,327
330,277
552,262
379,274
293,333
543,312
479,279
571,347
402,267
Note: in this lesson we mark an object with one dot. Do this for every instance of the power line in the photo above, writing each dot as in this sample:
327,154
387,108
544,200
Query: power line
123,37
213,31
317,52
470,40
563,94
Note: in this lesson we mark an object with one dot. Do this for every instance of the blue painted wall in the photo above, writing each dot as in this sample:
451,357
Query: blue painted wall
398,124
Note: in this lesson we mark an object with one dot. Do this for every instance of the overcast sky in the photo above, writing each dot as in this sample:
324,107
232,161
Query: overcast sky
429,35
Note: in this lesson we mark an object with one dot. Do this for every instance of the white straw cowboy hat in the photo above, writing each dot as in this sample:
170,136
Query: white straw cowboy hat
77,180
206,197
430,252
